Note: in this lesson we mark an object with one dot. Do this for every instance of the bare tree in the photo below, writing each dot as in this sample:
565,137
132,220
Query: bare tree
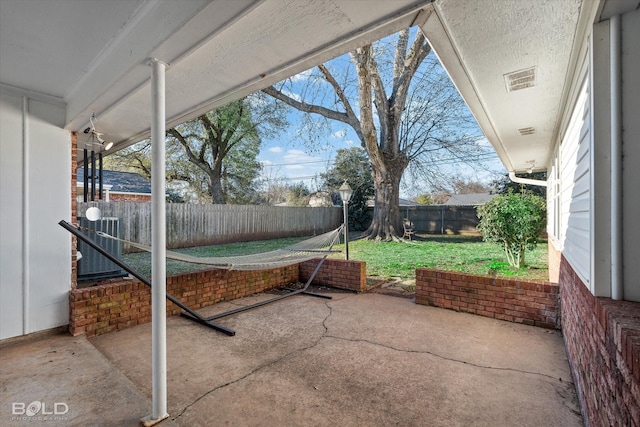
215,153
398,123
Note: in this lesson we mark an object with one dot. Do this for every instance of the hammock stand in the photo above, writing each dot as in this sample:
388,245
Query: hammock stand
188,313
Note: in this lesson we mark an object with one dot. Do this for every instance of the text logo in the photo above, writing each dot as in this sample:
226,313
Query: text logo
39,410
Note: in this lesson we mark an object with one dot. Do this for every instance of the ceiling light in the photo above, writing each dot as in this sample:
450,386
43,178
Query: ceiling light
96,137
533,164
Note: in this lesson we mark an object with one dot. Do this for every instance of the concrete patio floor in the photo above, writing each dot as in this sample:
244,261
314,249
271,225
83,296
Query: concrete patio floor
355,360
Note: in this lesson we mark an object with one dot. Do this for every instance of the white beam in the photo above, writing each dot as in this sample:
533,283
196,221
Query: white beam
118,67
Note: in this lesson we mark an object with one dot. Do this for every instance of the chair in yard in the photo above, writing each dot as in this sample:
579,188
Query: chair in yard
408,229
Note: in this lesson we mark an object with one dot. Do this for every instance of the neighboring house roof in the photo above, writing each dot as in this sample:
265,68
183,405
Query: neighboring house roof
473,199
403,203
121,182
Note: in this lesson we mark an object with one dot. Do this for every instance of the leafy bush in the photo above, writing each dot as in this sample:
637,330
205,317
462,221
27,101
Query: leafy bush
514,220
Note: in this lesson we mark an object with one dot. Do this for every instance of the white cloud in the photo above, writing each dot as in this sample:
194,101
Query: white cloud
276,150
350,142
339,134
266,162
292,95
298,159
302,76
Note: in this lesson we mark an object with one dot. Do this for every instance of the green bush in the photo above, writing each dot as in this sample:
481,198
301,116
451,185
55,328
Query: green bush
514,220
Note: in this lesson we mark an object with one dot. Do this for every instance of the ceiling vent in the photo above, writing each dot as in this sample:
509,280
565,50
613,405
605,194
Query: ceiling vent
520,79
526,131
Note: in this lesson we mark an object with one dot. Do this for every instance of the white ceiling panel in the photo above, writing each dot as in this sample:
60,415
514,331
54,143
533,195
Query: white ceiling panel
47,46
91,54
487,40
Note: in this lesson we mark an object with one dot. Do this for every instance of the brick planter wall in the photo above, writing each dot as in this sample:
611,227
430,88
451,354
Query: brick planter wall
528,302
120,303
337,273
602,338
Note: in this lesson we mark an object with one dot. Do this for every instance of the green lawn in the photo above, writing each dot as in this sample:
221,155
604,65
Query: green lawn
385,259
466,254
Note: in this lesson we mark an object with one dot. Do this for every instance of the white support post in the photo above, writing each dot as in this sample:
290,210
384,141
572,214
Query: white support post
26,225
617,286
158,247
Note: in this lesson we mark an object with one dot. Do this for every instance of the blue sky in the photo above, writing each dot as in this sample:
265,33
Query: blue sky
293,159
288,159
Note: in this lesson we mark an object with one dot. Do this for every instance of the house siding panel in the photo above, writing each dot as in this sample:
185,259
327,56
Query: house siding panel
575,194
35,255
11,218
631,153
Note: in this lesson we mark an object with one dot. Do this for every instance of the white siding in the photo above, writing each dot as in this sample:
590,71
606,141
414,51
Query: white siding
11,219
35,193
573,191
631,154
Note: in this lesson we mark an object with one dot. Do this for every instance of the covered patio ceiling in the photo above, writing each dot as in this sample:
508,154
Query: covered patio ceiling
511,60
90,56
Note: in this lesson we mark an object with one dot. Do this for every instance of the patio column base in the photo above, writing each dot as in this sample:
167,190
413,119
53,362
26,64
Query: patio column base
148,421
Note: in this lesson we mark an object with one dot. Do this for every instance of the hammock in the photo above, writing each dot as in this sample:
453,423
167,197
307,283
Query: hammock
299,252
294,254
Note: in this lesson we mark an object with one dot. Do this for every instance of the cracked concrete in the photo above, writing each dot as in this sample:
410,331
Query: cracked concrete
355,360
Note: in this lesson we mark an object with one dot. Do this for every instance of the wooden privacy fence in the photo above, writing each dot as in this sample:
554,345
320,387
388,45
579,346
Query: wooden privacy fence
442,219
198,225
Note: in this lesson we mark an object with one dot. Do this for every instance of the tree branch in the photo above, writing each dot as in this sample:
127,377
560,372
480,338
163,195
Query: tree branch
214,133
362,58
317,109
187,149
341,95
418,52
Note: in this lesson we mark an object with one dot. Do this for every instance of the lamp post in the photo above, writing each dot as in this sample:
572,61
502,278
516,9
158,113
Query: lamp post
345,194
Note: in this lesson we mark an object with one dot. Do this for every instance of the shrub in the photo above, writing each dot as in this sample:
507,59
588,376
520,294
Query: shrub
514,220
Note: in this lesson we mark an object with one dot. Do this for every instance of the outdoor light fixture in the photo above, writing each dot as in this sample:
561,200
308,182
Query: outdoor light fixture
345,194
97,136
530,169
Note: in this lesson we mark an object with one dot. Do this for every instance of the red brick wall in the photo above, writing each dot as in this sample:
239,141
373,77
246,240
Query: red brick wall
121,197
602,338
74,208
119,303
531,303
337,273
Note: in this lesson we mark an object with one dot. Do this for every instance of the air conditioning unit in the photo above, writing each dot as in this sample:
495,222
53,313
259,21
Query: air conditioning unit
93,265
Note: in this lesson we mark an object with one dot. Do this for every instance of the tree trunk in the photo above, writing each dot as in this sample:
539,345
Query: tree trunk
215,185
387,223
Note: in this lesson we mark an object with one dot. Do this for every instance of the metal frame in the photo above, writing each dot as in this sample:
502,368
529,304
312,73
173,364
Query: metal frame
274,299
188,313
196,317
